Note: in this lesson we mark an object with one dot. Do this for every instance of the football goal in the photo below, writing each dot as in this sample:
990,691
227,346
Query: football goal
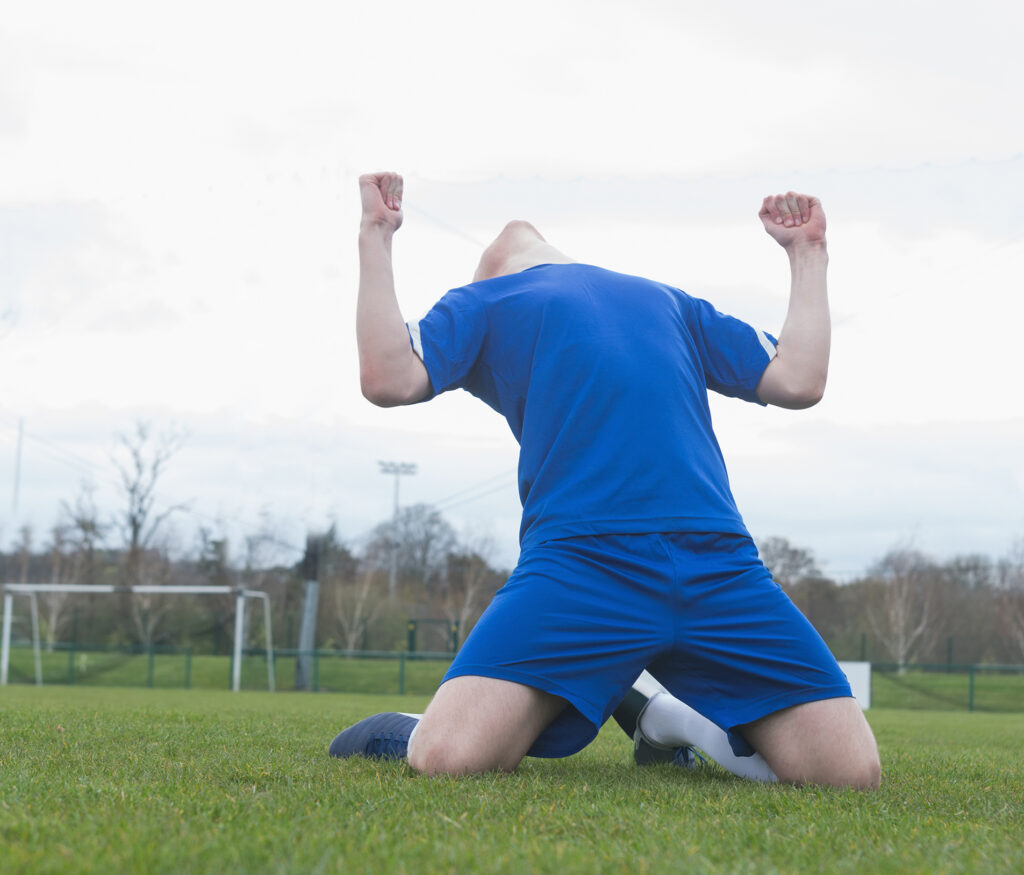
32,589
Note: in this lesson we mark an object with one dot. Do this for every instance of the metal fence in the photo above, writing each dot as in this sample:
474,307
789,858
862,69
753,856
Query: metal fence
945,686
170,667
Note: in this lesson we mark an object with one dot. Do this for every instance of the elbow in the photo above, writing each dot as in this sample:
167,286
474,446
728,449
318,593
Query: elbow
794,394
804,394
386,389
378,392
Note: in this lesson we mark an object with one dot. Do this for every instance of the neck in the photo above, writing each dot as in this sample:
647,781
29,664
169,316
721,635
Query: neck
541,253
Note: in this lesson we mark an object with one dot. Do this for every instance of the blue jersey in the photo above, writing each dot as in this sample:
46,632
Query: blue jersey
603,379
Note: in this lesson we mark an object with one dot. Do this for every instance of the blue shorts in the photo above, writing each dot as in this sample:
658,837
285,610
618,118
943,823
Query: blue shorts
582,617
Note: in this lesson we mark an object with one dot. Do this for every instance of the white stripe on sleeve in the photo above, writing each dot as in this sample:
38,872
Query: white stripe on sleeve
414,338
766,344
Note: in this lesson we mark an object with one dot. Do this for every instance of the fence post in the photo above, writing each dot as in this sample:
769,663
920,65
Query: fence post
453,638
970,689
401,673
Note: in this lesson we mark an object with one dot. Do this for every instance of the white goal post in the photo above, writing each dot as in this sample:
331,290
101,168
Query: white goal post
30,590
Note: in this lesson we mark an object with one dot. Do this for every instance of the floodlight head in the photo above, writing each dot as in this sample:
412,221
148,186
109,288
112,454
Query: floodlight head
397,467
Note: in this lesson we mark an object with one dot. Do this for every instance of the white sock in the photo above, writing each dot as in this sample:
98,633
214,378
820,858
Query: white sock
671,723
648,684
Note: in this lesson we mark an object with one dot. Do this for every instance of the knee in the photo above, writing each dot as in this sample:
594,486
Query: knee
448,757
431,759
858,772
868,774
863,774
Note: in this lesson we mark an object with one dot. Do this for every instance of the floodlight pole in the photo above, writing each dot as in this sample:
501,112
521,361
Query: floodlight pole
398,469
17,469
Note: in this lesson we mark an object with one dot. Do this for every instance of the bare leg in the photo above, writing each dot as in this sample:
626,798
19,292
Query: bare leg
827,742
477,724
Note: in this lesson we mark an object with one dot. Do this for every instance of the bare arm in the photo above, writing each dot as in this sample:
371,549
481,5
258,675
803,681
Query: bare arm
390,373
796,377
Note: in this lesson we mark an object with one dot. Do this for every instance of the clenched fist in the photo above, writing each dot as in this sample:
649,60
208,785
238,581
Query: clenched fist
381,194
793,219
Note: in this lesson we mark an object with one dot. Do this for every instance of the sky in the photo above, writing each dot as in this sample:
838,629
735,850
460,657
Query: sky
179,209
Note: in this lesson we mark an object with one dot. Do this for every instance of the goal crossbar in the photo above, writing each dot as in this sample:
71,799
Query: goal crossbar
31,589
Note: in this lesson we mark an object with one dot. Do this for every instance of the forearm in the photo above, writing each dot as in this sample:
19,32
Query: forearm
383,341
800,369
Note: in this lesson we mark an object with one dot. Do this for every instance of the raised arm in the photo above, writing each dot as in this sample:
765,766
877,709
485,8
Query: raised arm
796,377
390,373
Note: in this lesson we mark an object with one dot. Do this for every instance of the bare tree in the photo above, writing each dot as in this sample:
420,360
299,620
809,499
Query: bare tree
72,557
787,563
359,591
148,609
967,609
82,525
62,570
141,461
1011,597
423,539
357,603
469,581
24,547
901,604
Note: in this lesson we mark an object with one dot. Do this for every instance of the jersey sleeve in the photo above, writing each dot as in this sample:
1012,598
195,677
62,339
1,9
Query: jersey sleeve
449,338
733,354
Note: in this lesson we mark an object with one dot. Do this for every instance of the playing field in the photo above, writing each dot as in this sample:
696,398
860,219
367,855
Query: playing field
134,780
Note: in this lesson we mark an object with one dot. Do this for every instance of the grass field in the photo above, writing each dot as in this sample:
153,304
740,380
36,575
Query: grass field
135,780
333,673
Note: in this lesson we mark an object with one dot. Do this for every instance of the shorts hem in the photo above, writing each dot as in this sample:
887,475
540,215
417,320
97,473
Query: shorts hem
767,707
548,750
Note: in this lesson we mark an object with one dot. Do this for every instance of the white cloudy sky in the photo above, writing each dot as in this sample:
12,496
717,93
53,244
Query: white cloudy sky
178,211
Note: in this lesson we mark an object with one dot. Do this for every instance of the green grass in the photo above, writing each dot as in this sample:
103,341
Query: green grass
176,670
933,690
134,780
936,690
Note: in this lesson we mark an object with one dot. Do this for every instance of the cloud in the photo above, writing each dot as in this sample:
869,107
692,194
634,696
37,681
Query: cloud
910,200
849,493
181,231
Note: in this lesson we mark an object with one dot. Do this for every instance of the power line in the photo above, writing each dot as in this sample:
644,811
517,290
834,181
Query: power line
447,226
473,493
455,496
57,452
472,498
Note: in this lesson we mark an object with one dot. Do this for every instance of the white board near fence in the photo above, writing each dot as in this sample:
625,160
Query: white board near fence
859,676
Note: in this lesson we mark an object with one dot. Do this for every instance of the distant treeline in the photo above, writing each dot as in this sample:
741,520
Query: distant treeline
907,608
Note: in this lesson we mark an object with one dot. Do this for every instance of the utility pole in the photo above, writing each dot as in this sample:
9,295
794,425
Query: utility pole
398,469
17,470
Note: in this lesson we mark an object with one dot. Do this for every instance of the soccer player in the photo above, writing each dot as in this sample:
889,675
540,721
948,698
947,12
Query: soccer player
633,553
